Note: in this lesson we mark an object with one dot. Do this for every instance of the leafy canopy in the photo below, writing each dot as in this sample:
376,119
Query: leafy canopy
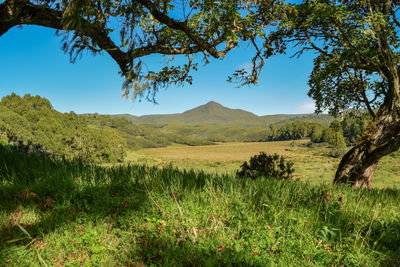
131,30
356,46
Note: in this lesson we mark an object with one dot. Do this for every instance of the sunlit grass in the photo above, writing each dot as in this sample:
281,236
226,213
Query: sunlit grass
312,164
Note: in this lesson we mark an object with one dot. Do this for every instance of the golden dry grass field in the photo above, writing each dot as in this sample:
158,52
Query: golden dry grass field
311,164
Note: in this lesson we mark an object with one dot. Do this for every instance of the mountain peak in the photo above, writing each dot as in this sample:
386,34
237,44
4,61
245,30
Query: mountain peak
212,103
214,113
210,107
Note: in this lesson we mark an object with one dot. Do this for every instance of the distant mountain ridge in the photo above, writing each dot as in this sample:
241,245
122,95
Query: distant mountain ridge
215,114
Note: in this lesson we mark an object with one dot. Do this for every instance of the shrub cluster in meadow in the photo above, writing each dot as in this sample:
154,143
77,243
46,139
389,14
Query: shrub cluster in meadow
267,166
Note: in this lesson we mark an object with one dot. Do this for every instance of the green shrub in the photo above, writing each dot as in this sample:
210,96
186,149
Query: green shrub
337,152
268,166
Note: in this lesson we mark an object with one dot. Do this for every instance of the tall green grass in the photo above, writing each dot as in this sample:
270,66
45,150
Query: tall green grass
74,213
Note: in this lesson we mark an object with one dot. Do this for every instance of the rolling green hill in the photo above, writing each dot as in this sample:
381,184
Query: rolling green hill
215,114
31,124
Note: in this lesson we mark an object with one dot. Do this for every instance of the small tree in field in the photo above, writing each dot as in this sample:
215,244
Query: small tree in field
268,166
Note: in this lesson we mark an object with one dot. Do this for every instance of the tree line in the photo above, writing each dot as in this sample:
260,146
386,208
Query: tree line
340,133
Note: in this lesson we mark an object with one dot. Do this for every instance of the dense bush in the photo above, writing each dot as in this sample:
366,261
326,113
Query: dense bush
31,124
268,166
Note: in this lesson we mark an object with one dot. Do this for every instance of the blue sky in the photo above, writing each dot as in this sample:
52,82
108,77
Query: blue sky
31,61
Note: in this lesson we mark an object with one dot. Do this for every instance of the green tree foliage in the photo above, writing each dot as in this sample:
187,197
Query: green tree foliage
292,131
131,30
31,123
316,135
333,138
344,132
353,125
15,129
267,166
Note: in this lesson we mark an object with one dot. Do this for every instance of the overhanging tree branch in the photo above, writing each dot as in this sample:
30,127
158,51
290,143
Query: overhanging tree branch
181,26
23,12
14,13
160,48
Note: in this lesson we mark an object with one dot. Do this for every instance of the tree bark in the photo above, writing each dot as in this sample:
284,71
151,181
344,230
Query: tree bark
380,139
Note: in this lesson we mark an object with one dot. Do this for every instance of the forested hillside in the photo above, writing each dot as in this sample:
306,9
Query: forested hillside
31,124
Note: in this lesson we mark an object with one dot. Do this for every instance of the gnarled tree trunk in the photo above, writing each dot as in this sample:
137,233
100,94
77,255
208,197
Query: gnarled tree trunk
380,139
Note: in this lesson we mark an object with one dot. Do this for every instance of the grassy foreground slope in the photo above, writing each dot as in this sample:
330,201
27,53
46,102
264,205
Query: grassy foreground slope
72,213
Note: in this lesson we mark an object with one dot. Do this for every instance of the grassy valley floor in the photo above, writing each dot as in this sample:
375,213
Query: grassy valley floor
312,164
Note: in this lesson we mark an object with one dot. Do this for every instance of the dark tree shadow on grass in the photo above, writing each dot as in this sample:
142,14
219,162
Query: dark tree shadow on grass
63,191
